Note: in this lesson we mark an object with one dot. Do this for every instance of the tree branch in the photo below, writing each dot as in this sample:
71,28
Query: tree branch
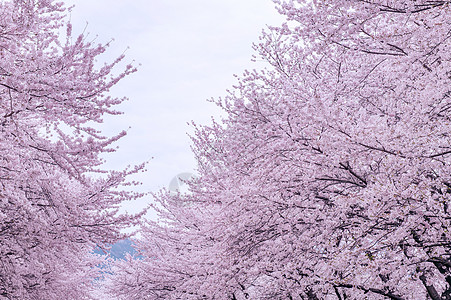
387,294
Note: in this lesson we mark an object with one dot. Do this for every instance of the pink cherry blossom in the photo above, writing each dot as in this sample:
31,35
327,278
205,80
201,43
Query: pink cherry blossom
56,202
330,176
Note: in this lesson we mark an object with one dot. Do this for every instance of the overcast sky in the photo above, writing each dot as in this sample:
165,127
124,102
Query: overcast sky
188,51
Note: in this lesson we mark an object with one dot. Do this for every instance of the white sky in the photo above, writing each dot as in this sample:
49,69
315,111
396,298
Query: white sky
188,51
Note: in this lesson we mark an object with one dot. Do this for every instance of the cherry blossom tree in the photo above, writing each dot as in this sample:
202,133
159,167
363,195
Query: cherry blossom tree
330,177
56,202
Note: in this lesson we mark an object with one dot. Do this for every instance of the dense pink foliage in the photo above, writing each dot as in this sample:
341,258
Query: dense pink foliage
53,210
330,178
